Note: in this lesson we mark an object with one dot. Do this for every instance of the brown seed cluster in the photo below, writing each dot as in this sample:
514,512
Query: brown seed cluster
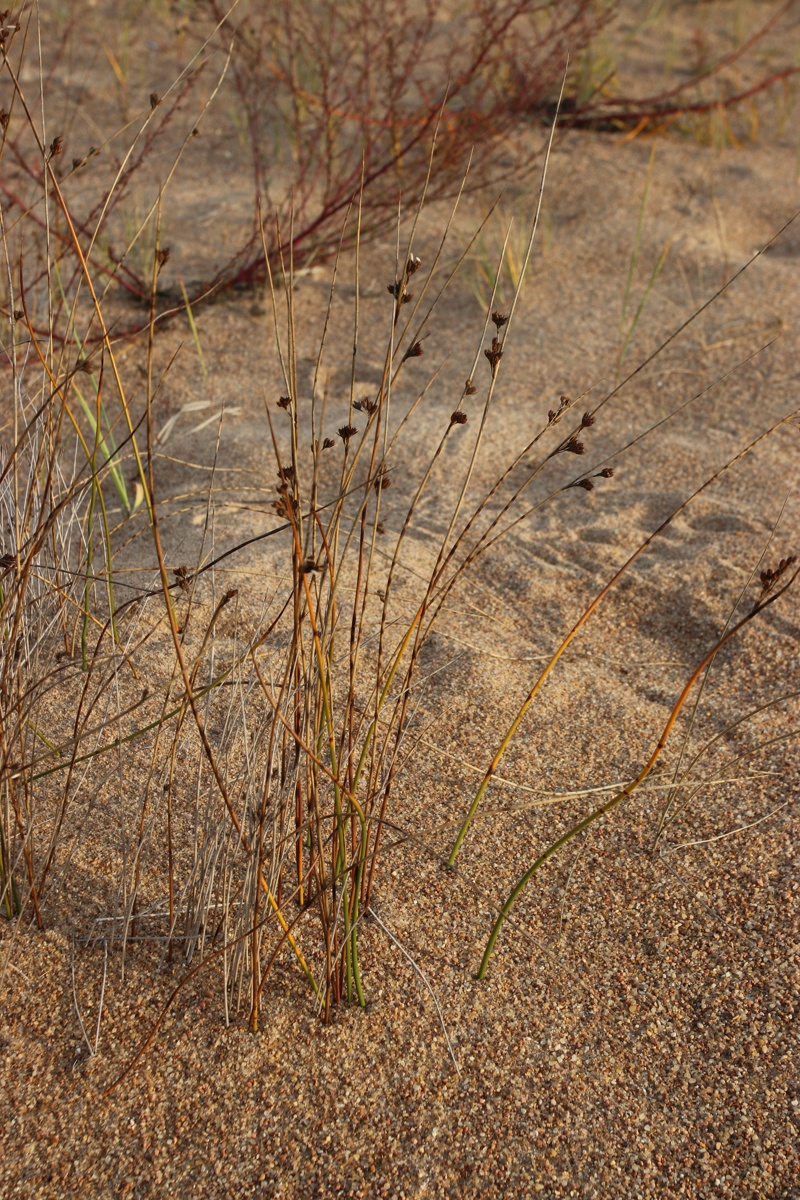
286,506
5,29
283,507
415,351
366,405
555,414
77,163
494,355
586,482
573,445
382,480
770,577
399,289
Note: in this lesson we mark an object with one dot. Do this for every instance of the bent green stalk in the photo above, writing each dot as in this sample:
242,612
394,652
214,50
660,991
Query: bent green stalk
629,787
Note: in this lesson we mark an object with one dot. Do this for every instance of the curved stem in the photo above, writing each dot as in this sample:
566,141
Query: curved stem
629,788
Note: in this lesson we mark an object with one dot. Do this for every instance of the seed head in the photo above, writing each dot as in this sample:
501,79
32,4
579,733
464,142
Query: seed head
155,100
469,388
586,484
284,402
770,577
328,443
494,355
56,147
500,319
573,446
415,351
346,432
606,473
458,417
555,414
586,420
413,264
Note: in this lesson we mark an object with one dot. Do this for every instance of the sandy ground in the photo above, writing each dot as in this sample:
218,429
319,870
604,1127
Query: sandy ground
637,1033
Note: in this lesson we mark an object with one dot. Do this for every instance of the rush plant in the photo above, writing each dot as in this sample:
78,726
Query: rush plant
246,763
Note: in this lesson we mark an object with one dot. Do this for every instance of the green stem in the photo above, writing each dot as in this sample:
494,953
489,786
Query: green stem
540,861
629,788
